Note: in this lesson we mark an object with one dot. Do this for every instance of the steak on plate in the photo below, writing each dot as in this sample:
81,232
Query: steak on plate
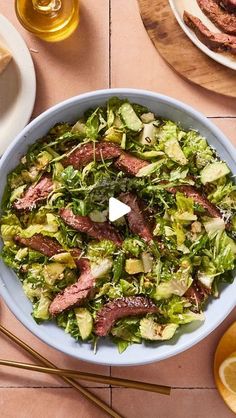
218,42
224,20
229,5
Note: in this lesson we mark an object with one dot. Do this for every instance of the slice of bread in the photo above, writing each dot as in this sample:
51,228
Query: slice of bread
5,58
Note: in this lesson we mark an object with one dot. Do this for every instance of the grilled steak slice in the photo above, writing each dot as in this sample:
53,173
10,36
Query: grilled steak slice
218,42
120,308
91,151
97,230
50,247
202,200
138,224
34,194
229,5
197,293
130,164
73,295
224,20
45,245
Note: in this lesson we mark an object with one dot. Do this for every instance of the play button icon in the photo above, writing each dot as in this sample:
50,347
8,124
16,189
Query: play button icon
117,209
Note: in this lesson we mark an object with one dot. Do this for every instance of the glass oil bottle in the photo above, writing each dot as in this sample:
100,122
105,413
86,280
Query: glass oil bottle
50,20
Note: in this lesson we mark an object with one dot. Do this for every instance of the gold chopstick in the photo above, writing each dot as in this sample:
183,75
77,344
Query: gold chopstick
90,396
164,390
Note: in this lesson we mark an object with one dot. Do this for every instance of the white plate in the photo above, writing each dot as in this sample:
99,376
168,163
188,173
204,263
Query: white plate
191,6
17,85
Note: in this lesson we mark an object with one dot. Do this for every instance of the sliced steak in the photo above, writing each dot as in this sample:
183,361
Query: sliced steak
45,245
137,221
229,5
97,230
73,295
34,194
121,308
130,164
50,247
197,294
224,20
90,152
199,198
218,42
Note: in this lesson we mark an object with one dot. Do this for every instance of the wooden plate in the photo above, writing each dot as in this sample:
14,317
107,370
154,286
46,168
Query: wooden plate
180,53
226,346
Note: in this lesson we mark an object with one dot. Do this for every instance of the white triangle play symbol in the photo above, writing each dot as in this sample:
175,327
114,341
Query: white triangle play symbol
117,209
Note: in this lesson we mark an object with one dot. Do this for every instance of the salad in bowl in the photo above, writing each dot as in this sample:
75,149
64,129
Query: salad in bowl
139,278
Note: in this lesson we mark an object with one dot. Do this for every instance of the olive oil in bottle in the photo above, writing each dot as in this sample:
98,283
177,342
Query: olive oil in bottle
50,20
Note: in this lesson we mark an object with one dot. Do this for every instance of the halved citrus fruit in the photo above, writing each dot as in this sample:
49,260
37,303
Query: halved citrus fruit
227,372
226,348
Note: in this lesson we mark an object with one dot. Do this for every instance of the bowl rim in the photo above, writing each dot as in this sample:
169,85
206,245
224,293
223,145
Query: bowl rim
105,94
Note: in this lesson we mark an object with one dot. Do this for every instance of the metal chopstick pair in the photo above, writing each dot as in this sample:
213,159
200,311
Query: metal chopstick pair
67,375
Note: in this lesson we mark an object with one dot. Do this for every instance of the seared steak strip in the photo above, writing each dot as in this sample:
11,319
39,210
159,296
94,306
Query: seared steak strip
199,198
224,20
45,245
218,42
50,247
97,230
73,295
120,308
34,194
197,293
136,218
90,152
130,164
229,5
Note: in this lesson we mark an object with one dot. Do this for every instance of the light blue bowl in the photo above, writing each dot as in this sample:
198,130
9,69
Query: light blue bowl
10,286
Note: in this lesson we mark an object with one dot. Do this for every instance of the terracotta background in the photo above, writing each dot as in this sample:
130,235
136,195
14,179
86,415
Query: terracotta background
112,49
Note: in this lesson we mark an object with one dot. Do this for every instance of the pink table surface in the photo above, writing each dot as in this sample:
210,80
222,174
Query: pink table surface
112,49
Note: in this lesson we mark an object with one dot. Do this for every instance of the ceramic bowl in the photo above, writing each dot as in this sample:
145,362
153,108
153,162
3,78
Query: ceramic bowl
10,286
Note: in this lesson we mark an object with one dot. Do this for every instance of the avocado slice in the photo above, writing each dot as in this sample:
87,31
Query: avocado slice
134,266
174,151
85,322
130,118
151,330
214,171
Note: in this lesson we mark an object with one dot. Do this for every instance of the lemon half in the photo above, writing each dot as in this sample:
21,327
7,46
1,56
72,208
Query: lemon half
227,372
